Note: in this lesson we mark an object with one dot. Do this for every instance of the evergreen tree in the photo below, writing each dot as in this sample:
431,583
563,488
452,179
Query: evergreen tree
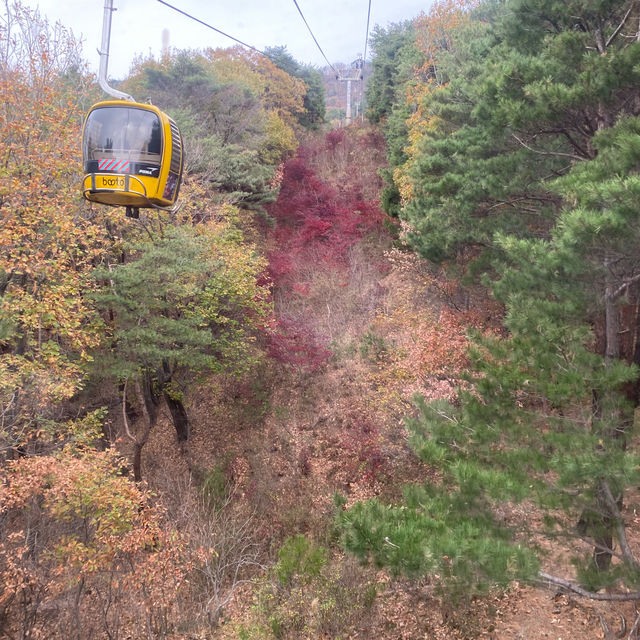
392,66
521,96
535,156
186,304
395,57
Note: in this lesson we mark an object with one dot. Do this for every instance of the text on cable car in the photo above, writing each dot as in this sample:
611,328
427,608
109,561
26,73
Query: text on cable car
109,182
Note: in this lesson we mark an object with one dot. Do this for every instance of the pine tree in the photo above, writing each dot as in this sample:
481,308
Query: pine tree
546,415
522,93
183,304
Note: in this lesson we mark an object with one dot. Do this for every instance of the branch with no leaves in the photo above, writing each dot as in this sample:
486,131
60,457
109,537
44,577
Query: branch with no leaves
614,35
124,412
547,153
567,585
627,554
145,413
634,629
610,635
624,286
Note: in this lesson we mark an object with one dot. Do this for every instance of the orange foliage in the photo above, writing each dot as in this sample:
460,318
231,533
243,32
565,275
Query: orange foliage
440,348
420,331
48,239
84,549
279,92
435,33
435,30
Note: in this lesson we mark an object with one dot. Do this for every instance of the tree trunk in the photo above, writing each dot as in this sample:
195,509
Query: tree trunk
603,535
179,416
137,461
151,396
149,419
608,418
174,402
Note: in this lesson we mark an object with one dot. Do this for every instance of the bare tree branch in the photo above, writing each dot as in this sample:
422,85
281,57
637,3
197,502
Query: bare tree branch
548,153
610,635
627,554
124,412
592,595
613,36
633,633
624,286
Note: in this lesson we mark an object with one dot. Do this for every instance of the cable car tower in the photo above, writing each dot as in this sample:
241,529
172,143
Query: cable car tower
358,65
132,152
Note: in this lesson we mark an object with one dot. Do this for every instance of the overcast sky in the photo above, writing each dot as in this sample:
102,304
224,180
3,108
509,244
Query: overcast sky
137,26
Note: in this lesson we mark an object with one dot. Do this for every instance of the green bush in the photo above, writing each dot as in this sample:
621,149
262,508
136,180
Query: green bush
308,596
299,558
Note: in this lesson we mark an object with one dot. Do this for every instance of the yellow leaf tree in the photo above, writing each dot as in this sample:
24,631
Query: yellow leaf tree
48,238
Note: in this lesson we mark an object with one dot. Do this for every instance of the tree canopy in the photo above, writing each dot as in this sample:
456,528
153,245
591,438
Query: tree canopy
521,155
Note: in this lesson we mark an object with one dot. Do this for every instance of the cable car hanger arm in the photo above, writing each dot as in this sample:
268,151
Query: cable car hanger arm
104,55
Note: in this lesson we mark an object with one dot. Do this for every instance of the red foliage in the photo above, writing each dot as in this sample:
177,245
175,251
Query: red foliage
316,226
334,138
280,264
295,343
372,139
315,219
362,442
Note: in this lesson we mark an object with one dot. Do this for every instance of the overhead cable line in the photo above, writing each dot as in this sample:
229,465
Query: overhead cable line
366,36
226,35
314,38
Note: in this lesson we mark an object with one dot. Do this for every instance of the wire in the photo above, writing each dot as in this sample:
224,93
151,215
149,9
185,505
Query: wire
244,44
366,38
226,35
314,38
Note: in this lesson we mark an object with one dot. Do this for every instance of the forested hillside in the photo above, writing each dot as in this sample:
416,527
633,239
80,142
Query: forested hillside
374,381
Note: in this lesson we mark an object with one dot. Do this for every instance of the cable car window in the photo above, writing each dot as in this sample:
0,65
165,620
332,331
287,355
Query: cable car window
123,140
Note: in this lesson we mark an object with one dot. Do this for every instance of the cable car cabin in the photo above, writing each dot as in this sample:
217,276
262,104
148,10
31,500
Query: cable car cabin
132,155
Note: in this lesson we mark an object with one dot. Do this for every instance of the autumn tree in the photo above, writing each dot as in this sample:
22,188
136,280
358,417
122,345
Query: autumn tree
237,115
279,91
48,239
280,94
84,552
313,114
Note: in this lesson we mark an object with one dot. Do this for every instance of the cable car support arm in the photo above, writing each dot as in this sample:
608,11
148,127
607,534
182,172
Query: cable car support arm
104,55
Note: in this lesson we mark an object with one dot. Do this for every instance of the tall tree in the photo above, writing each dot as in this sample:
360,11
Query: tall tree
183,304
313,114
394,54
548,411
518,109
395,57
48,239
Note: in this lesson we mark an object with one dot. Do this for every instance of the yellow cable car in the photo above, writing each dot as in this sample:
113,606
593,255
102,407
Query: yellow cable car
132,155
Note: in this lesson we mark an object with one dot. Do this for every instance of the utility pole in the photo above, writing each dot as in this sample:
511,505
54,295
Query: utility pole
358,66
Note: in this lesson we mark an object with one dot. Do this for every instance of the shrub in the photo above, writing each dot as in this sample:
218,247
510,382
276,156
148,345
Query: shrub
307,596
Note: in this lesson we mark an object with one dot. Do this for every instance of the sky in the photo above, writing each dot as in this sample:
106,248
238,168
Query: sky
138,25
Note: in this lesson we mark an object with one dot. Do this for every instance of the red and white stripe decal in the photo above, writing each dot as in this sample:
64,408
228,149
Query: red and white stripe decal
113,165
